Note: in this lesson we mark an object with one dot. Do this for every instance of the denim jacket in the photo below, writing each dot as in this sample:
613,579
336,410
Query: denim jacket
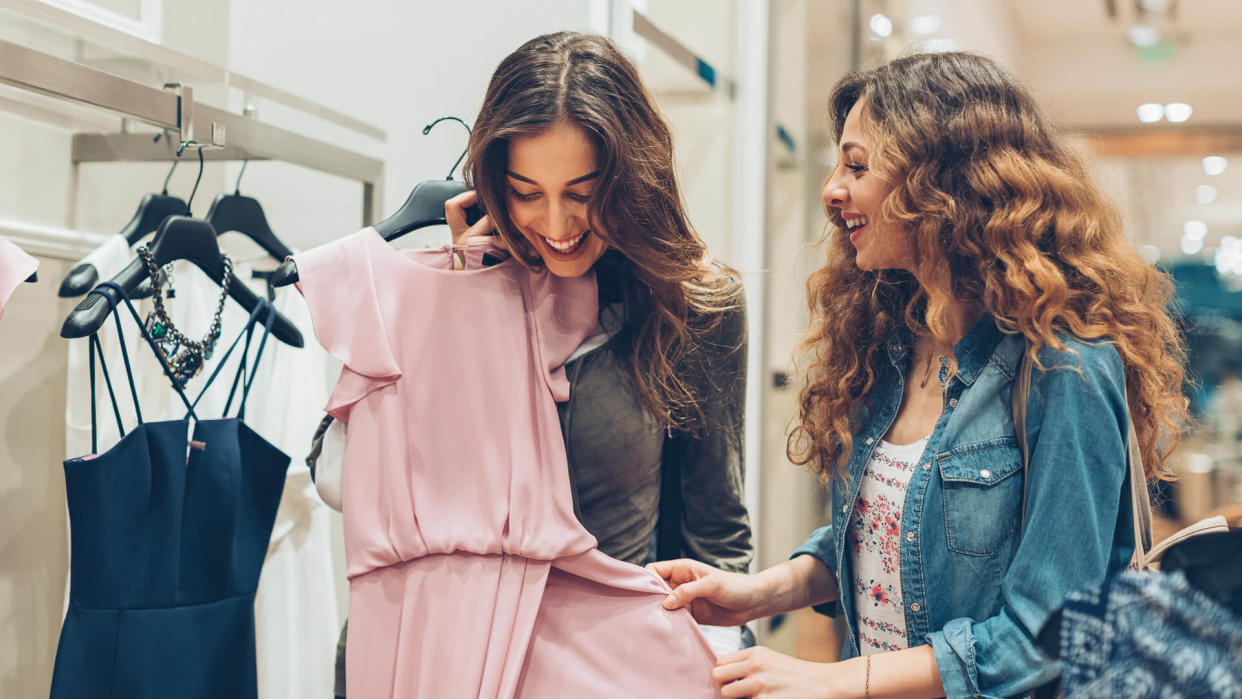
974,587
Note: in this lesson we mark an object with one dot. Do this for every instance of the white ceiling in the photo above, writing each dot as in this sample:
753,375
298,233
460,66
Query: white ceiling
1089,19
1079,61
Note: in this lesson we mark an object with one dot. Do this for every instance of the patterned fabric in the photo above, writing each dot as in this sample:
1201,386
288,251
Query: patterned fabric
1149,635
875,544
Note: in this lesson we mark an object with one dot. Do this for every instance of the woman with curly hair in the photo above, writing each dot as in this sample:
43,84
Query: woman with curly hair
967,233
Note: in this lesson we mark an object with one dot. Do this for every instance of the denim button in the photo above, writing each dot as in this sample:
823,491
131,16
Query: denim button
926,465
870,440
845,508
909,536
915,607
952,402
985,474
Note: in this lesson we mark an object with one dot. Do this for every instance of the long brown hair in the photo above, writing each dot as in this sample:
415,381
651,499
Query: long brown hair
999,213
671,289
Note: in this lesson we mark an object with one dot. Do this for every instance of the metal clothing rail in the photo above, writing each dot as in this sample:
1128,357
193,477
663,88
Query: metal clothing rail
645,28
226,136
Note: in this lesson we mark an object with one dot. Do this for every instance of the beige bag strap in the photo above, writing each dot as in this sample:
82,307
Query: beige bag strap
1139,500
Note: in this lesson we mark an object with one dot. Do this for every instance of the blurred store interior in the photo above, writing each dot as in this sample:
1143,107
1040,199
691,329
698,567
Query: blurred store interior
1147,87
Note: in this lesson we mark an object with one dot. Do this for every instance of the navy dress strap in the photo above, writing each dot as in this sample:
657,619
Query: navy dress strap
97,348
248,380
245,333
120,293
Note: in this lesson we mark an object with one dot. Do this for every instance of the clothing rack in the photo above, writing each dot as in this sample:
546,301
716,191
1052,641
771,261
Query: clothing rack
220,134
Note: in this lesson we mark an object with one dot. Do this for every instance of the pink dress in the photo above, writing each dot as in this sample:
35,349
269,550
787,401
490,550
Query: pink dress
15,267
469,574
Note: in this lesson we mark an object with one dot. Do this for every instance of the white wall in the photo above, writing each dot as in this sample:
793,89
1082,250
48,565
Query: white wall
397,66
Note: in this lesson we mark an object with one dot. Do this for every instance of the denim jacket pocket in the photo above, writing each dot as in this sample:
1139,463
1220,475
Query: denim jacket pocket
982,485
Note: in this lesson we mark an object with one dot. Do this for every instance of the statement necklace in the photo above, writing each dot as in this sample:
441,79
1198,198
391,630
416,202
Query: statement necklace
184,357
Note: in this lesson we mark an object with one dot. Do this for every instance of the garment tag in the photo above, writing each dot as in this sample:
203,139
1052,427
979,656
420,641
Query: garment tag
200,446
459,260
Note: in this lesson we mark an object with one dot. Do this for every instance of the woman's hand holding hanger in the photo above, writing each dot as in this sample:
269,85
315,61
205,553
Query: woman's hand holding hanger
455,215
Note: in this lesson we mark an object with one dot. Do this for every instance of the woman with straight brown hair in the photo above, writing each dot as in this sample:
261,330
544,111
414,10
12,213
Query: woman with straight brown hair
965,234
573,164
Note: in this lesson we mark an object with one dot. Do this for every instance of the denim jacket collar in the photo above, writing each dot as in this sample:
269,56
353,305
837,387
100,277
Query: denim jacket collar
973,351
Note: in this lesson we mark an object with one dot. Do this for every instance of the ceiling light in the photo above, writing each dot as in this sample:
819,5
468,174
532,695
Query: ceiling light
1229,256
1194,229
1150,112
1177,111
1143,35
925,24
1191,246
1205,194
1214,165
1150,253
939,45
881,25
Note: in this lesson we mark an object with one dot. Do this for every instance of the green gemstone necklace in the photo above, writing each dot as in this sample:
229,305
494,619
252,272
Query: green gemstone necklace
185,357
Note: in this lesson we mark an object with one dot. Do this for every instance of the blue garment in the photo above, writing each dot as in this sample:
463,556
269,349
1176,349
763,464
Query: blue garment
974,589
1147,635
168,541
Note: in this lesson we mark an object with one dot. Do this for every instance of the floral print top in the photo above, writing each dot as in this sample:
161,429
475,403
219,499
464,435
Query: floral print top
875,544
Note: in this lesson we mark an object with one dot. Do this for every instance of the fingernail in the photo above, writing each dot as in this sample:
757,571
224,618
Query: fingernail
671,602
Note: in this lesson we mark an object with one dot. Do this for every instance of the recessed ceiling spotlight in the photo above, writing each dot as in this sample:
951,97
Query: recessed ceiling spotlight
1229,256
1143,35
939,45
1194,229
1214,165
1205,194
1190,246
1177,111
1150,113
925,24
881,25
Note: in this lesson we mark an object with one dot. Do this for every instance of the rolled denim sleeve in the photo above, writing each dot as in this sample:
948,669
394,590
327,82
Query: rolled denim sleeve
820,545
1073,535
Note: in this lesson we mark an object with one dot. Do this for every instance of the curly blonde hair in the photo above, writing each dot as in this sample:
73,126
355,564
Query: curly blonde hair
1001,214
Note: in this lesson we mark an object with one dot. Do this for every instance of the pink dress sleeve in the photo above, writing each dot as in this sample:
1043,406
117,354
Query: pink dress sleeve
566,311
15,267
339,283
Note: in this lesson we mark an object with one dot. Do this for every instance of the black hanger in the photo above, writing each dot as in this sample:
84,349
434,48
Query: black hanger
235,212
424,207
34,277
152,211
178,238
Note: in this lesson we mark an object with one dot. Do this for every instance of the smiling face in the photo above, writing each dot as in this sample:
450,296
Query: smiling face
855,190
551,178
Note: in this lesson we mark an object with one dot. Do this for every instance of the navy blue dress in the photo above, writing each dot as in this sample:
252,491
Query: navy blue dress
168,531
